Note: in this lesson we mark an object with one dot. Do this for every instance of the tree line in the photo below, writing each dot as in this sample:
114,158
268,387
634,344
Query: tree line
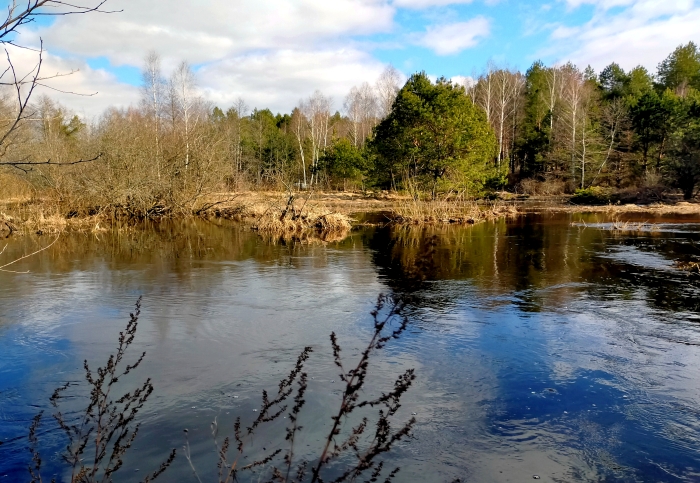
552,129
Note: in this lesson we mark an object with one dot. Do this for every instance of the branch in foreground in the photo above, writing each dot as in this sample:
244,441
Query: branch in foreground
48,162
104,431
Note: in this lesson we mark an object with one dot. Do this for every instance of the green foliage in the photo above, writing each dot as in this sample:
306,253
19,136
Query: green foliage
534,141
639,82
682,165
614,81
681,68
345,162
652,116
434,135
592,196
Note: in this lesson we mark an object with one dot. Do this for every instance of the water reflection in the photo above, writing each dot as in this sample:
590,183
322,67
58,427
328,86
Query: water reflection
546,345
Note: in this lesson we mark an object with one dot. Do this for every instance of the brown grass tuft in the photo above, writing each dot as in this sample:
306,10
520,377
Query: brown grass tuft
292,215
692,267
448,212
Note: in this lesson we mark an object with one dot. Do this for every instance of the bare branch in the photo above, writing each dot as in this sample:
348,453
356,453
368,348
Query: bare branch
2,267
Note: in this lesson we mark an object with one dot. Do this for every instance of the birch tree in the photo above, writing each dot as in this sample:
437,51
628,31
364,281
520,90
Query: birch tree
184,90
572,93
317,110
361,109
153,92
388,86
484,91
238,111
299,128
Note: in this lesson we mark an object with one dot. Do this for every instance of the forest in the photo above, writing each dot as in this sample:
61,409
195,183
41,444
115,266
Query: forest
551,130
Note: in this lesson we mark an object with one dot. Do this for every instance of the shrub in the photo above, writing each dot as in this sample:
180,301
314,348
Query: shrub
352,448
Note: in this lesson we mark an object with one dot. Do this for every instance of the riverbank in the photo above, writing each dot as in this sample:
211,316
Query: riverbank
275,212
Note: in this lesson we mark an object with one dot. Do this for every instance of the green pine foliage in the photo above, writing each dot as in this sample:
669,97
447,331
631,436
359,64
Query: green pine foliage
434,137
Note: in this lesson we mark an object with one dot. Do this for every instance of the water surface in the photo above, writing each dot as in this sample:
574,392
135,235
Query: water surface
556,346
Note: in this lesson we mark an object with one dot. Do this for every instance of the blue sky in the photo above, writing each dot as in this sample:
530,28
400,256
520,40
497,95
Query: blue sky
272,53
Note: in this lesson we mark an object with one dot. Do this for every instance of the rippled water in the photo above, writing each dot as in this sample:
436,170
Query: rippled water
555,346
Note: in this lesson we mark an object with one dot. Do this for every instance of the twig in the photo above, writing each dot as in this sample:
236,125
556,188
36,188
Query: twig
2,267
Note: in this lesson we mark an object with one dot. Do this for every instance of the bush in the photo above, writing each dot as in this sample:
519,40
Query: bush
593,196
533,187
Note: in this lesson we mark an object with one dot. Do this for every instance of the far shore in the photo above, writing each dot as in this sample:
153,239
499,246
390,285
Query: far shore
26,216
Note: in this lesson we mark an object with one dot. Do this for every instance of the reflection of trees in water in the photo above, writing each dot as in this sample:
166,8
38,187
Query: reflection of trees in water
521,258
518,258
177,244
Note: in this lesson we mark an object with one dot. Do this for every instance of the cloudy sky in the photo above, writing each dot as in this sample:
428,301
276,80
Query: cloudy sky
272,53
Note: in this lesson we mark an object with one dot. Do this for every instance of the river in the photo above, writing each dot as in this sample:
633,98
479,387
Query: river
556,346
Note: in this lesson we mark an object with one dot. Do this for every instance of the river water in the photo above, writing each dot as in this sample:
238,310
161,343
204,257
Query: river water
551,345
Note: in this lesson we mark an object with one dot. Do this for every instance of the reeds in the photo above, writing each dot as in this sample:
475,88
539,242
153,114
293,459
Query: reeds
633,226
464,212
290,217
688,266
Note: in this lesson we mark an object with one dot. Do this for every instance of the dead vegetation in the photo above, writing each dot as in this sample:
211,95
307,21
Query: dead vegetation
362,429
462,212
633,226
689,266
654,209
298,217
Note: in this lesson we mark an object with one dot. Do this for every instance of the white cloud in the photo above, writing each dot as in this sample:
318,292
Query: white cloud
453,38
208,30
601,4
271,52
279,79
644,33
420,4
86,92
466,81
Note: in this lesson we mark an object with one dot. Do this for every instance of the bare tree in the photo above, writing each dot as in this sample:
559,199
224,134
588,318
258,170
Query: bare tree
388,86
317,110
239,110
554,88
613,117
504,82
518,88
484,91
153,94
361,107
299,127
572,97
23,85
186,101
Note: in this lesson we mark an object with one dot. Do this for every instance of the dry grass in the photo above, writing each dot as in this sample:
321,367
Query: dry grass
300,218
657,209
633,226
35,218
448,212
692,267
533,187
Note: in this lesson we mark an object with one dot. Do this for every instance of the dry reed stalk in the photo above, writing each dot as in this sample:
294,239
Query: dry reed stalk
465,212
35,218
633,226
692,267
279,217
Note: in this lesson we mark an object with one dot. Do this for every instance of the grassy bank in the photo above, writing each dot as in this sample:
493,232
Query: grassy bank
412,212
271,212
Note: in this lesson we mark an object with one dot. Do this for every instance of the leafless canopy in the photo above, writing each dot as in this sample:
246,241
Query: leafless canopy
21,85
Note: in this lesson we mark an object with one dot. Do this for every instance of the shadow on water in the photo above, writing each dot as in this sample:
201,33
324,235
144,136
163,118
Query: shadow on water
549,345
